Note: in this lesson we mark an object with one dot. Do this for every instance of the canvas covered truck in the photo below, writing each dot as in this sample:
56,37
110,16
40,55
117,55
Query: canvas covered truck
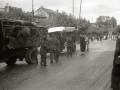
62,33
18,40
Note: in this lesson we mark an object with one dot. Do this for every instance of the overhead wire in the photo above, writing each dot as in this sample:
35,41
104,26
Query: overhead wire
71,5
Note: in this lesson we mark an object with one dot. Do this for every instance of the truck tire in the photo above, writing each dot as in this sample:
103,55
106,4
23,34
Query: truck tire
30,56
11,61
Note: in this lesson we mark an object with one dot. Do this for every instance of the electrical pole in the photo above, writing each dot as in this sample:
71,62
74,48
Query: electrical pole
80,10
32,11
73,7
81,27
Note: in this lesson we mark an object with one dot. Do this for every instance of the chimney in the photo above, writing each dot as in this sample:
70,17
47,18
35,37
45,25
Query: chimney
7,8
7,4
42,6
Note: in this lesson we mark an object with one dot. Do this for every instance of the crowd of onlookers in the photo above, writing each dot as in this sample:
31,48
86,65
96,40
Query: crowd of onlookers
102,37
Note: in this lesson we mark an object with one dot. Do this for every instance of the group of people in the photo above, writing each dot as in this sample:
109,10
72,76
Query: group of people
52,45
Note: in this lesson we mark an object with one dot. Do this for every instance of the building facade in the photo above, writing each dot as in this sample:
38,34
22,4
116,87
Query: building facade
106,21
10,12
42,14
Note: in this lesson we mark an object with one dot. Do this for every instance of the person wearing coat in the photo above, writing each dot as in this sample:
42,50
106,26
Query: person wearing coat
115,77
43,52
52,42
57,49
69,46
82,44
87,42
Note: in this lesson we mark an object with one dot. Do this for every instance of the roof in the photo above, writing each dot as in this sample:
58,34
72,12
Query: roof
24,23
46,10
39,16
15,8
60,29
5,19
56,29
70,29
2,9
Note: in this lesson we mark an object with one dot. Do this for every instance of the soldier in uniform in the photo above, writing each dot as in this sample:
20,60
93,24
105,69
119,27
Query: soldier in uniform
69,46
82,44
43,52
10,37
115,77
57,49
52,42
87,42
24,34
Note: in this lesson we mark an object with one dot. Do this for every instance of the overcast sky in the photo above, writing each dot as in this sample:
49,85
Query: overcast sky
91,9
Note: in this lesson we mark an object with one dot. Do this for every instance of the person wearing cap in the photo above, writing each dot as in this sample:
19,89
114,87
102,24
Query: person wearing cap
69,46
43,51
82,44
115,77
52,42
87,42
57,48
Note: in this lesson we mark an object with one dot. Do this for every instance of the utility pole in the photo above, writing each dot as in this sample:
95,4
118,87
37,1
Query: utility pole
81,27
32,11
73,6
80,10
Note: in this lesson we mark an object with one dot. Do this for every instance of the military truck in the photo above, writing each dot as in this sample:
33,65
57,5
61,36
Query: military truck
18,40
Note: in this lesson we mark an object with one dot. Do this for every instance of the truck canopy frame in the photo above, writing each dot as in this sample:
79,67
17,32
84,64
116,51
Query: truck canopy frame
61,29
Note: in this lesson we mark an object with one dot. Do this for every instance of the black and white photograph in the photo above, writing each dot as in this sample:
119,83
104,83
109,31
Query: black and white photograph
59,44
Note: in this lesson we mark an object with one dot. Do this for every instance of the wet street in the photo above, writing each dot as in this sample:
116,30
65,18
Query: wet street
89,72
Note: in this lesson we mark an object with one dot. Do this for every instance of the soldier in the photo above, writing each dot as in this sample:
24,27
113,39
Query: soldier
43,52
62,41
52,42
24,34
69,46
73,38
9,36
87,42
115,77
57,49
82,44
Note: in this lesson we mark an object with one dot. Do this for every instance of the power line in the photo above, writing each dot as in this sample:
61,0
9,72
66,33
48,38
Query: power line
71,5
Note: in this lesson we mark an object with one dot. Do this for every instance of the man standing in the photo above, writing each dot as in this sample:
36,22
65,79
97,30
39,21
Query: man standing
69,46
82,44
57,49
115,77
87,42
52,42
43,52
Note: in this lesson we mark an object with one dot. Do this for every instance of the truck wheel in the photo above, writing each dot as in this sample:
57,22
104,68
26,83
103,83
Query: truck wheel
11,61
31,56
